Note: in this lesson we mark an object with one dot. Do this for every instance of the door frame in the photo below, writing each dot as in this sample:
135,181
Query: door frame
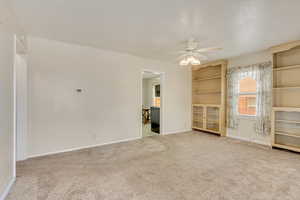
162,100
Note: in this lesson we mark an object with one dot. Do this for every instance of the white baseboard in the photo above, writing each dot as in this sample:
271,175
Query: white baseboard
175,132
82,147
7,189
249,140
97,145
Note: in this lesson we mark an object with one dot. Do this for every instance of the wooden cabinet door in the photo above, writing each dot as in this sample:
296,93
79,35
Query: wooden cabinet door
198,116
213,119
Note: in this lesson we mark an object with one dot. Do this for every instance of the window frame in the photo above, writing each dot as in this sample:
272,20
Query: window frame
246,93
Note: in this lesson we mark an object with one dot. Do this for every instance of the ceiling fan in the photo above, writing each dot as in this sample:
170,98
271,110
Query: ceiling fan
193,55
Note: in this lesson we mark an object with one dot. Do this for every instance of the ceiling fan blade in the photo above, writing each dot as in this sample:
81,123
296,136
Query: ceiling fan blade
202,57
178,52
197,55
209,49
181,57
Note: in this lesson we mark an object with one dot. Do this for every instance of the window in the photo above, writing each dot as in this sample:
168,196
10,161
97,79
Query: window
250,94
247,97
156,95
157,101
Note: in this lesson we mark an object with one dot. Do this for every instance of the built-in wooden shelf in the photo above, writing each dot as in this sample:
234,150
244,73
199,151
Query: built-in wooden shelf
209,97
289,134
212,121
288,121
208,78
286,88
209,105
208,130
286,95
291,148
207,92
198,120
286,68
286,109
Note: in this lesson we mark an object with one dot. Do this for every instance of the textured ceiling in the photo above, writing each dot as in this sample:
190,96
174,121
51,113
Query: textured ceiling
157,28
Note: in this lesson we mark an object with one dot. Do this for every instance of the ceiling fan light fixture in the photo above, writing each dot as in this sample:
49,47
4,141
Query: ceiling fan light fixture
190,60
195,61
184,62
193,55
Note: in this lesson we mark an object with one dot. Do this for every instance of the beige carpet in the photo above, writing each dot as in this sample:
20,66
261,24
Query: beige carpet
183,166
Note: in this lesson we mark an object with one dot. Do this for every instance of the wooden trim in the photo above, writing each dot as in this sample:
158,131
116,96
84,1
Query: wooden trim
273,127
286,67
206,130
291,148
286,109
223,99
284,47
208,105
286,88
208,78
287,121
207,92
286,134
204,117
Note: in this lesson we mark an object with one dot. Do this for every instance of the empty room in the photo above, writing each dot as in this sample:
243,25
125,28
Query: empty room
149,100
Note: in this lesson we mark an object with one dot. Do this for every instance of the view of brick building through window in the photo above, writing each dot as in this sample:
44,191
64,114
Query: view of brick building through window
156,95
157,101
247,96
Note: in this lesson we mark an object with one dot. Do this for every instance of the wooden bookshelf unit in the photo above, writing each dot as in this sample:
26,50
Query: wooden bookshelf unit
286,128
286,96
209,97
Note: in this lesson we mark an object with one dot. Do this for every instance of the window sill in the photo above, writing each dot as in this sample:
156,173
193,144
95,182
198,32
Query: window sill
247,117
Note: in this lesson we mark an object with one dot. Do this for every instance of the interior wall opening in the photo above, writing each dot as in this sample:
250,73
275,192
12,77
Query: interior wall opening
151,103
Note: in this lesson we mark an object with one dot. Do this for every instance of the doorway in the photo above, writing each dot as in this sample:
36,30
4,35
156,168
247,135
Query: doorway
151,103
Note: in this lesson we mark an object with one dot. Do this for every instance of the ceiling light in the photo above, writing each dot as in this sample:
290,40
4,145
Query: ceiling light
192,54
190,60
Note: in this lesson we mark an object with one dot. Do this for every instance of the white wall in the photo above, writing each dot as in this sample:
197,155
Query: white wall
6,111
148,91
21,106
245,131
108,109
8,27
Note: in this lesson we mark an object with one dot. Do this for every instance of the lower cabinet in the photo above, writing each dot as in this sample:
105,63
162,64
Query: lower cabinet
207,117
286,128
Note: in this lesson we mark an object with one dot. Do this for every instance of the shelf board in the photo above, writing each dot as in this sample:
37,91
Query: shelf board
212,121
207,92
283,88
286,68
286,109
207,78
198,121
211,131
208,105
286,134
288,121
292,148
